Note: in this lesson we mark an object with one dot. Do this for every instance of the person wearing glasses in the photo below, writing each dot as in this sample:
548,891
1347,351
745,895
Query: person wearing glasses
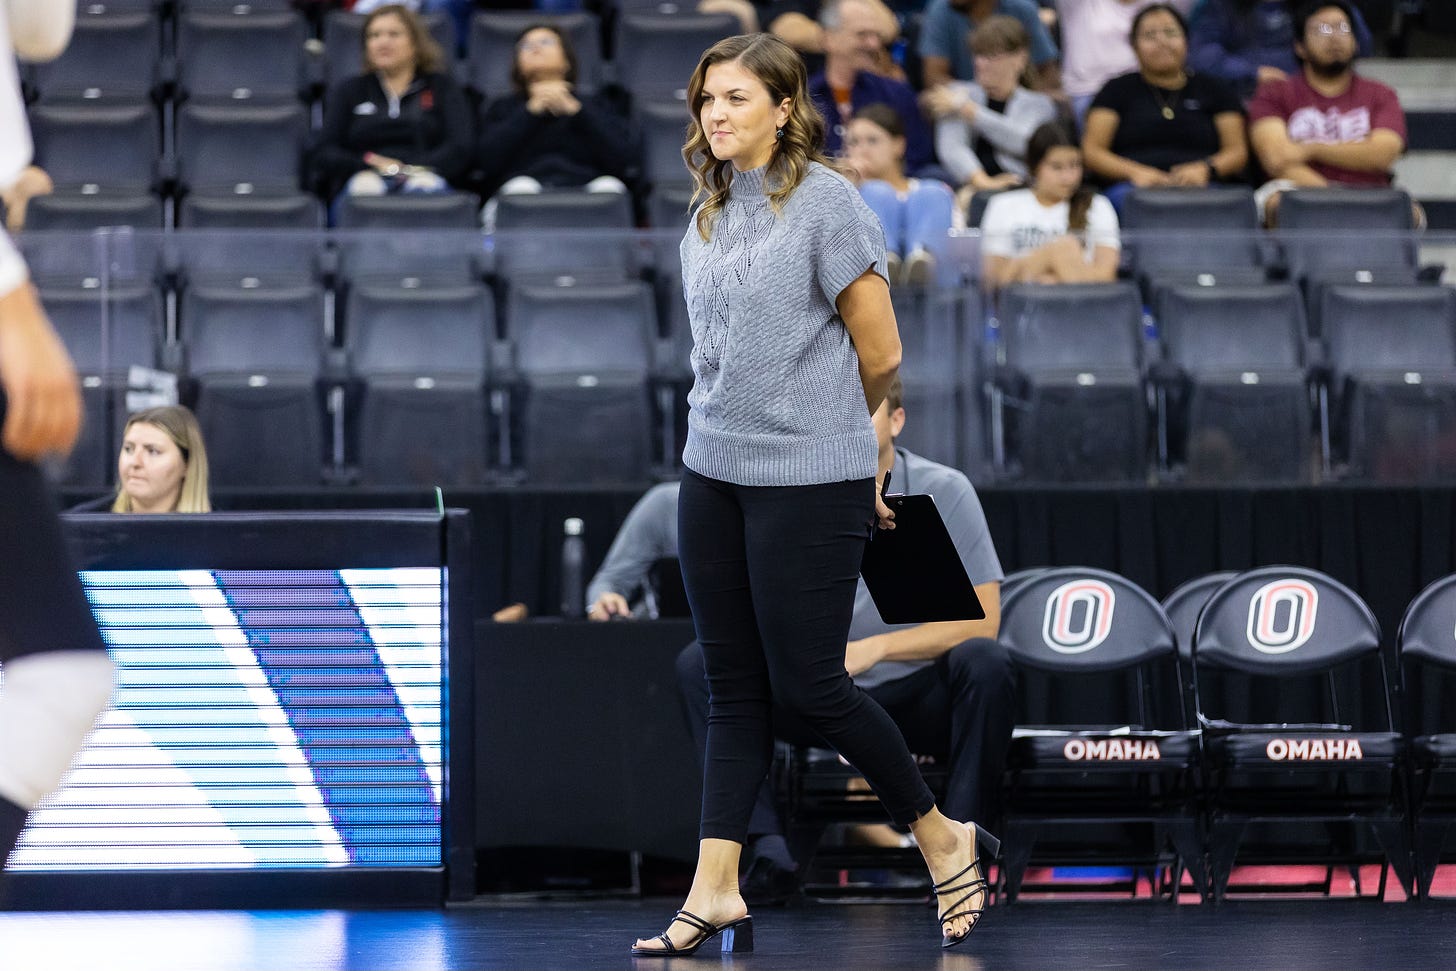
1251,42
547,134
1163,125
1325,125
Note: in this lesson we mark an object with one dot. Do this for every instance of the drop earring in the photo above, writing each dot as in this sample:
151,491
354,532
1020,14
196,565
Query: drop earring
779,134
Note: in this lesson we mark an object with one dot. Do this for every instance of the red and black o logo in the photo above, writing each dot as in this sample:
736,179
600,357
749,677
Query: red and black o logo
1078,616
1282,615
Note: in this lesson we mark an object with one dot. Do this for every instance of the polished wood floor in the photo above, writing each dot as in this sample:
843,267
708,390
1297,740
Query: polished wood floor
1259,935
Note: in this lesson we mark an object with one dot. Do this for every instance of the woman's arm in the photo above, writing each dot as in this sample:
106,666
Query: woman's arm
1025,112
953,145
1097,154
40,29
868,315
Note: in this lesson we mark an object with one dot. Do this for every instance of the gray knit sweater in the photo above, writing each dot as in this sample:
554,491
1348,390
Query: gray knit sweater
777,398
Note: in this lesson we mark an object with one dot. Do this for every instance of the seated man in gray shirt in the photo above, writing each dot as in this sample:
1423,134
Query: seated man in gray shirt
950,687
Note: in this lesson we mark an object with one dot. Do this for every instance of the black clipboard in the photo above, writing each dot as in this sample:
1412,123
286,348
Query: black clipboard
913,572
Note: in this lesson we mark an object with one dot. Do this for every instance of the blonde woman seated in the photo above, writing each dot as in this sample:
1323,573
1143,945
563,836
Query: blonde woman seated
162,466
1056,231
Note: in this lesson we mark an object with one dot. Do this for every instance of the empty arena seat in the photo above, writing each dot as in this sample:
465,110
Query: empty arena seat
241,149
111,54
1391,356
492,47
254,353
583,365
1291,680
234,210
564,232
671,206
237,53
106,145
931,355
1104,749
1234,400
1186,229
1186,602
663,124
93,210
1327,229
1428,669
1068,403
656,53
343,39
425,210
421,355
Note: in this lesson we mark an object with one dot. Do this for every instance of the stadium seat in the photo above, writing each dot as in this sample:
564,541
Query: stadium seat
1428,670
658,52
428,210
343,37
421,355
1322,230
1104,750
1068,402
1391,361
584,358
931,354
493,36
93,210
107,145
276,211
664,124
564,232
1233,395
1303,753
254,354
238,54
241,149
1186,602
1190,229
111,54
671,207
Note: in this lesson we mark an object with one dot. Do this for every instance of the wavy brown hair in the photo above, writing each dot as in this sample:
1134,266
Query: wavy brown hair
781,70
428,56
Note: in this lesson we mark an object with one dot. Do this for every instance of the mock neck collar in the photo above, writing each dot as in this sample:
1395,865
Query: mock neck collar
749,184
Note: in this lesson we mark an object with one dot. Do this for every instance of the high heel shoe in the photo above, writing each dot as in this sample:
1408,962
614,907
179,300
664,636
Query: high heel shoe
737,937
977,884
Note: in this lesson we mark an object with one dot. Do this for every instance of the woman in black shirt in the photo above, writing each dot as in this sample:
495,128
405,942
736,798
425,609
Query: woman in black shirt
401,126
1161,125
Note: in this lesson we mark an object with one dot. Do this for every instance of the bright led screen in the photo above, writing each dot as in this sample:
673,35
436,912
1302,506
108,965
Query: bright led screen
263,719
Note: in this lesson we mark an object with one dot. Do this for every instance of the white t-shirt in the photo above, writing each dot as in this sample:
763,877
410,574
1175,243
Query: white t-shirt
27,27
1015,224
1095,44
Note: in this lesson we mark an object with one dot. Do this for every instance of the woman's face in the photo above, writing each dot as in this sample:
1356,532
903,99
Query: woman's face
874,152
151,468
999,74
1160,45
540,56
738,116
1060,172
388,44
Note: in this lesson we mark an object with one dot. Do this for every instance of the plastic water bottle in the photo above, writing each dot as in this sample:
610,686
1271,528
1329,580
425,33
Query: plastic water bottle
1150,325
573,565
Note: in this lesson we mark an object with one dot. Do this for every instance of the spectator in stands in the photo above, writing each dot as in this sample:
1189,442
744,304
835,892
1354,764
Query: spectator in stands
945,51
401,126
1251,42
162,466
916,213
1162,125
32,181
949,687
797,23
544,135
1325,125
1056,231
848,81
1095,48
459,11
982,126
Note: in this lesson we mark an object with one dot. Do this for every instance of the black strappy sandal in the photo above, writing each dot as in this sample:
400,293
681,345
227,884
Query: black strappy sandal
976,884
737,937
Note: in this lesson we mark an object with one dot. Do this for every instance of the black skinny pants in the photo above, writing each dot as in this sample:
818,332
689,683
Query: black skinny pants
959,708
770,573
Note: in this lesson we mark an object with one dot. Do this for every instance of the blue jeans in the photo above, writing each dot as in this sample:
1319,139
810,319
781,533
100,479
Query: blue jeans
919,221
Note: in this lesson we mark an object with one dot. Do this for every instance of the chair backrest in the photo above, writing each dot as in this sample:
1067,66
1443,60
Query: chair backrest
111,53
240,55
68,211
656,53
1223,220
241,147
492,47
433,332
1071,326
1186,602
343,37
1327,228
1082,619
1428,659
247,211
1368,328
106,144
1283,619
1232,328
106,331
433,210
1017,577
583,329
564,232
663,126
253,328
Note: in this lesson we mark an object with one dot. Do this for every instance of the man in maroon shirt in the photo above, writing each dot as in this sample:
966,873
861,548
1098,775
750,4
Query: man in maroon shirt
1327,125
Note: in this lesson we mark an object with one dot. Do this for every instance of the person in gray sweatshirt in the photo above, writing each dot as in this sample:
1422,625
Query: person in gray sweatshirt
794,347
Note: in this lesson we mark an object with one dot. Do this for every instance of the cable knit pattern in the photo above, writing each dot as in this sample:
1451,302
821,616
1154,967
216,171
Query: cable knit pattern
776,397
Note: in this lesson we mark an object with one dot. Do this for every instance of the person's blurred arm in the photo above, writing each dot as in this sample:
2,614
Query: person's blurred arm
42,397
1099,129
1281,157
926,641
953,145
39,29
1010,131
646,536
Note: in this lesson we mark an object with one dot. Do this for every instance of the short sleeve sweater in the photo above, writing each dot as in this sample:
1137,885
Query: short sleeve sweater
777,398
